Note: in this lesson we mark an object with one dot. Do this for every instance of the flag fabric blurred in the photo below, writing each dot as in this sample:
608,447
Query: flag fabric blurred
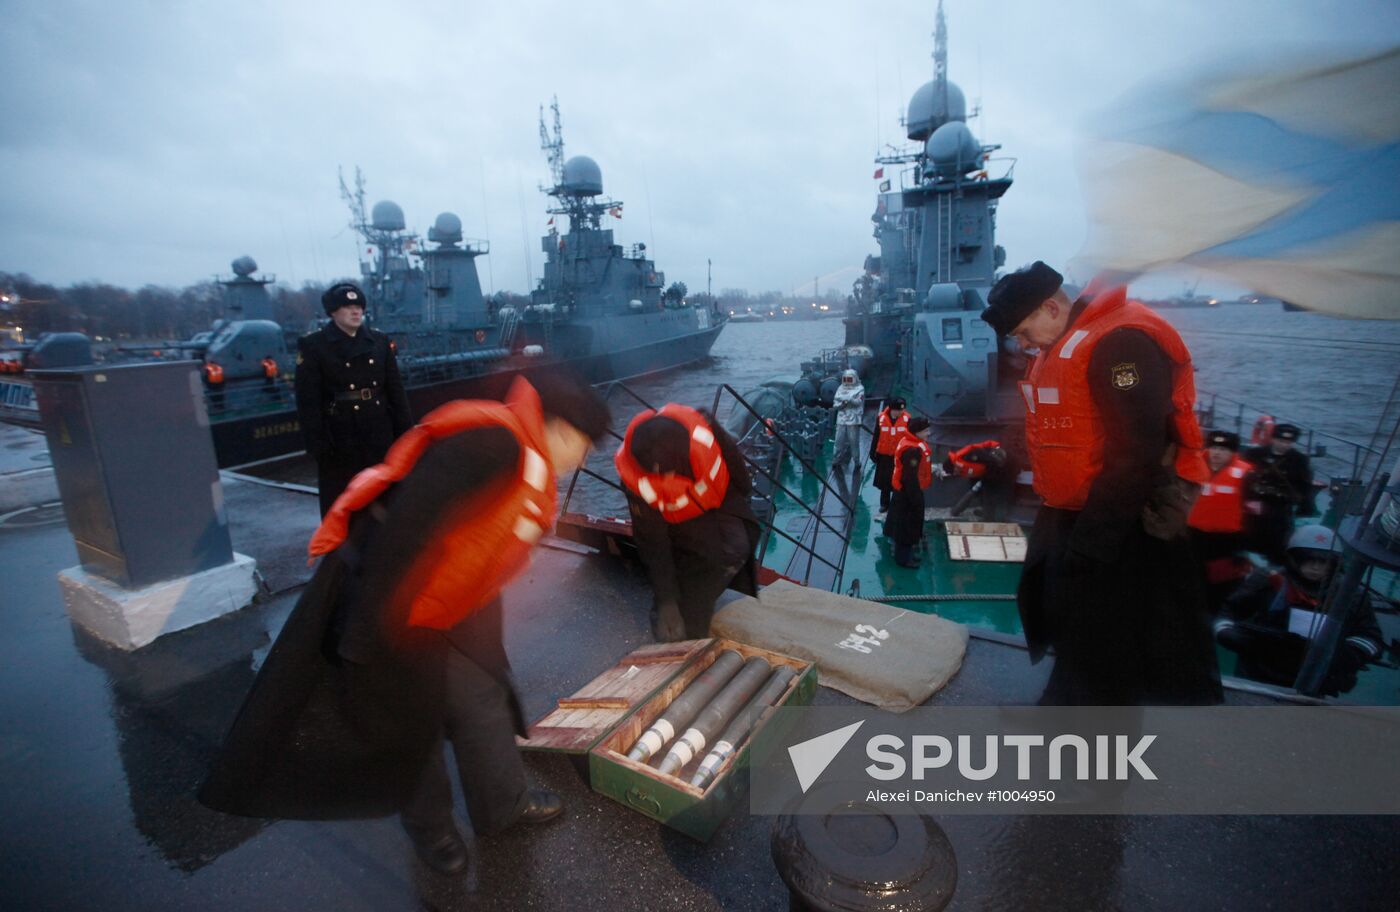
879,173
1287,183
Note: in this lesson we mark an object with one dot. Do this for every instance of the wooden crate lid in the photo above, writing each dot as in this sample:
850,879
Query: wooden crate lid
580,720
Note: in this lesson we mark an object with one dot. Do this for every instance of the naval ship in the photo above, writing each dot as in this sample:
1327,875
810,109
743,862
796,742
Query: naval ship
913,328
601,310
138,729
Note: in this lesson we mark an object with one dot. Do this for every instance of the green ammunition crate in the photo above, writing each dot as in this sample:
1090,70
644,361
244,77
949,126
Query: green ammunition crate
609,714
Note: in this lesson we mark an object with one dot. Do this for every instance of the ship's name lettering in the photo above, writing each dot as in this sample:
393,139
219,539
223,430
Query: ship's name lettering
276,430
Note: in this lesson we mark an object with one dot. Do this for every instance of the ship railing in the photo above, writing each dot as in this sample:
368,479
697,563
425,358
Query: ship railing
615,387
839,566
1008,160
228,401
1218,412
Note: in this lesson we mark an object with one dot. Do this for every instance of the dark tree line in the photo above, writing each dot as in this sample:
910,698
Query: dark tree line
149,313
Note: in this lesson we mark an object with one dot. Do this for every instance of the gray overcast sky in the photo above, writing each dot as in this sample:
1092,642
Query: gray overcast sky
149,141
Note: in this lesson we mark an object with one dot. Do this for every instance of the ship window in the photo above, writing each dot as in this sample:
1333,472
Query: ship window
952,330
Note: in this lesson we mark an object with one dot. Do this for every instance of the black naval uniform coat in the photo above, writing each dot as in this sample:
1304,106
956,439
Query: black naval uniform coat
1283,485
691,563
350,401
350,703
1124,610
904,524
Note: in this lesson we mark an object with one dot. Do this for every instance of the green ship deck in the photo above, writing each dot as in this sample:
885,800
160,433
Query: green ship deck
951,588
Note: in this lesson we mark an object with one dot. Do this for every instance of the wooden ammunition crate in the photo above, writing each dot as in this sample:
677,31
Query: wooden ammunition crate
605,717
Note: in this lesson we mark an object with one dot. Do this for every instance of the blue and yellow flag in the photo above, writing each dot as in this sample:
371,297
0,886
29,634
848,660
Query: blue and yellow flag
1284,182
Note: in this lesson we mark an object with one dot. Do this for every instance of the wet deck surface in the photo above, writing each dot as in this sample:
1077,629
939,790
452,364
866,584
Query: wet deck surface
100,753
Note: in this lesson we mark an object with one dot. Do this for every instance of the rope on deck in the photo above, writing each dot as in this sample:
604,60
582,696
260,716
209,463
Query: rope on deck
942,597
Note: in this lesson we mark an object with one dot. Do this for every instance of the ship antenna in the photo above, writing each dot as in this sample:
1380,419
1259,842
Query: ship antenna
355,200
553,146
940,59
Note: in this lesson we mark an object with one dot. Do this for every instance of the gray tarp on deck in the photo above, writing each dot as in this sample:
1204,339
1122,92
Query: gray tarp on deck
879,654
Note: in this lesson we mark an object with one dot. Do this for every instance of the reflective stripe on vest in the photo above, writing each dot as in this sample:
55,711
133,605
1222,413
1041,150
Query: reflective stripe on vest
1064,429
677,498
891,432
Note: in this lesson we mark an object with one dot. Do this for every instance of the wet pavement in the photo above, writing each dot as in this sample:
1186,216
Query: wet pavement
101,751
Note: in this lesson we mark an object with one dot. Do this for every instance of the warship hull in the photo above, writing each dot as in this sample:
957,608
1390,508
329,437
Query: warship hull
273,430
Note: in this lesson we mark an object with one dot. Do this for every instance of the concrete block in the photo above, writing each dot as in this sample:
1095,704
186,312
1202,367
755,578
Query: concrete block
131,618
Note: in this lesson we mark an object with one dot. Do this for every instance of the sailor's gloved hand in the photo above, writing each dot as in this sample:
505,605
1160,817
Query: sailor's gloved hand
666,623
942,470
1167,509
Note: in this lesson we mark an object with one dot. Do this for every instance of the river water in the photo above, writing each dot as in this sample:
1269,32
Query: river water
1321,372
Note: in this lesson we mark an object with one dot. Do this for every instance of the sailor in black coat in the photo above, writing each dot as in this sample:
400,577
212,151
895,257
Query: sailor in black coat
350,399
1282,485
1123,608
904,524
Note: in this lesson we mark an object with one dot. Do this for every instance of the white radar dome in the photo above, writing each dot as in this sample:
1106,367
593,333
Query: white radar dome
582,176
386,216
925,113
447,229
952,149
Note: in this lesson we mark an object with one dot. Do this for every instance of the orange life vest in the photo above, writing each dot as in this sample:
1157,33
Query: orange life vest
1220,508
966,467
213,372
472,561
677,498
890,432
269,366
910,441
1064,429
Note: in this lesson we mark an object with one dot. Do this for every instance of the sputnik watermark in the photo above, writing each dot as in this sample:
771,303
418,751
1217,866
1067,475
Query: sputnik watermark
932,752
1169,760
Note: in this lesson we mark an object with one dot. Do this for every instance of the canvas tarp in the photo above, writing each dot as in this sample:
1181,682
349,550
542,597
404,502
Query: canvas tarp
879,654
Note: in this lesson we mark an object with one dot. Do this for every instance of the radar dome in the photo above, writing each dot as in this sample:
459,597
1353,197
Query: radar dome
244,266
583,176
447,229
926,114
952,150
386,216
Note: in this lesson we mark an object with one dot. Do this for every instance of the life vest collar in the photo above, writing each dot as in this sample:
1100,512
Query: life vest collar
676,497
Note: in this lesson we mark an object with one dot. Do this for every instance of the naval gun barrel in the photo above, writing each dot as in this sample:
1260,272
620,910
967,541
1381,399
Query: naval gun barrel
715,714
738,729
686,706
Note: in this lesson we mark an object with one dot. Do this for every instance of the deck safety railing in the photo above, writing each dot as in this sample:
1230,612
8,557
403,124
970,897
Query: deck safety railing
614,388
1224,413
